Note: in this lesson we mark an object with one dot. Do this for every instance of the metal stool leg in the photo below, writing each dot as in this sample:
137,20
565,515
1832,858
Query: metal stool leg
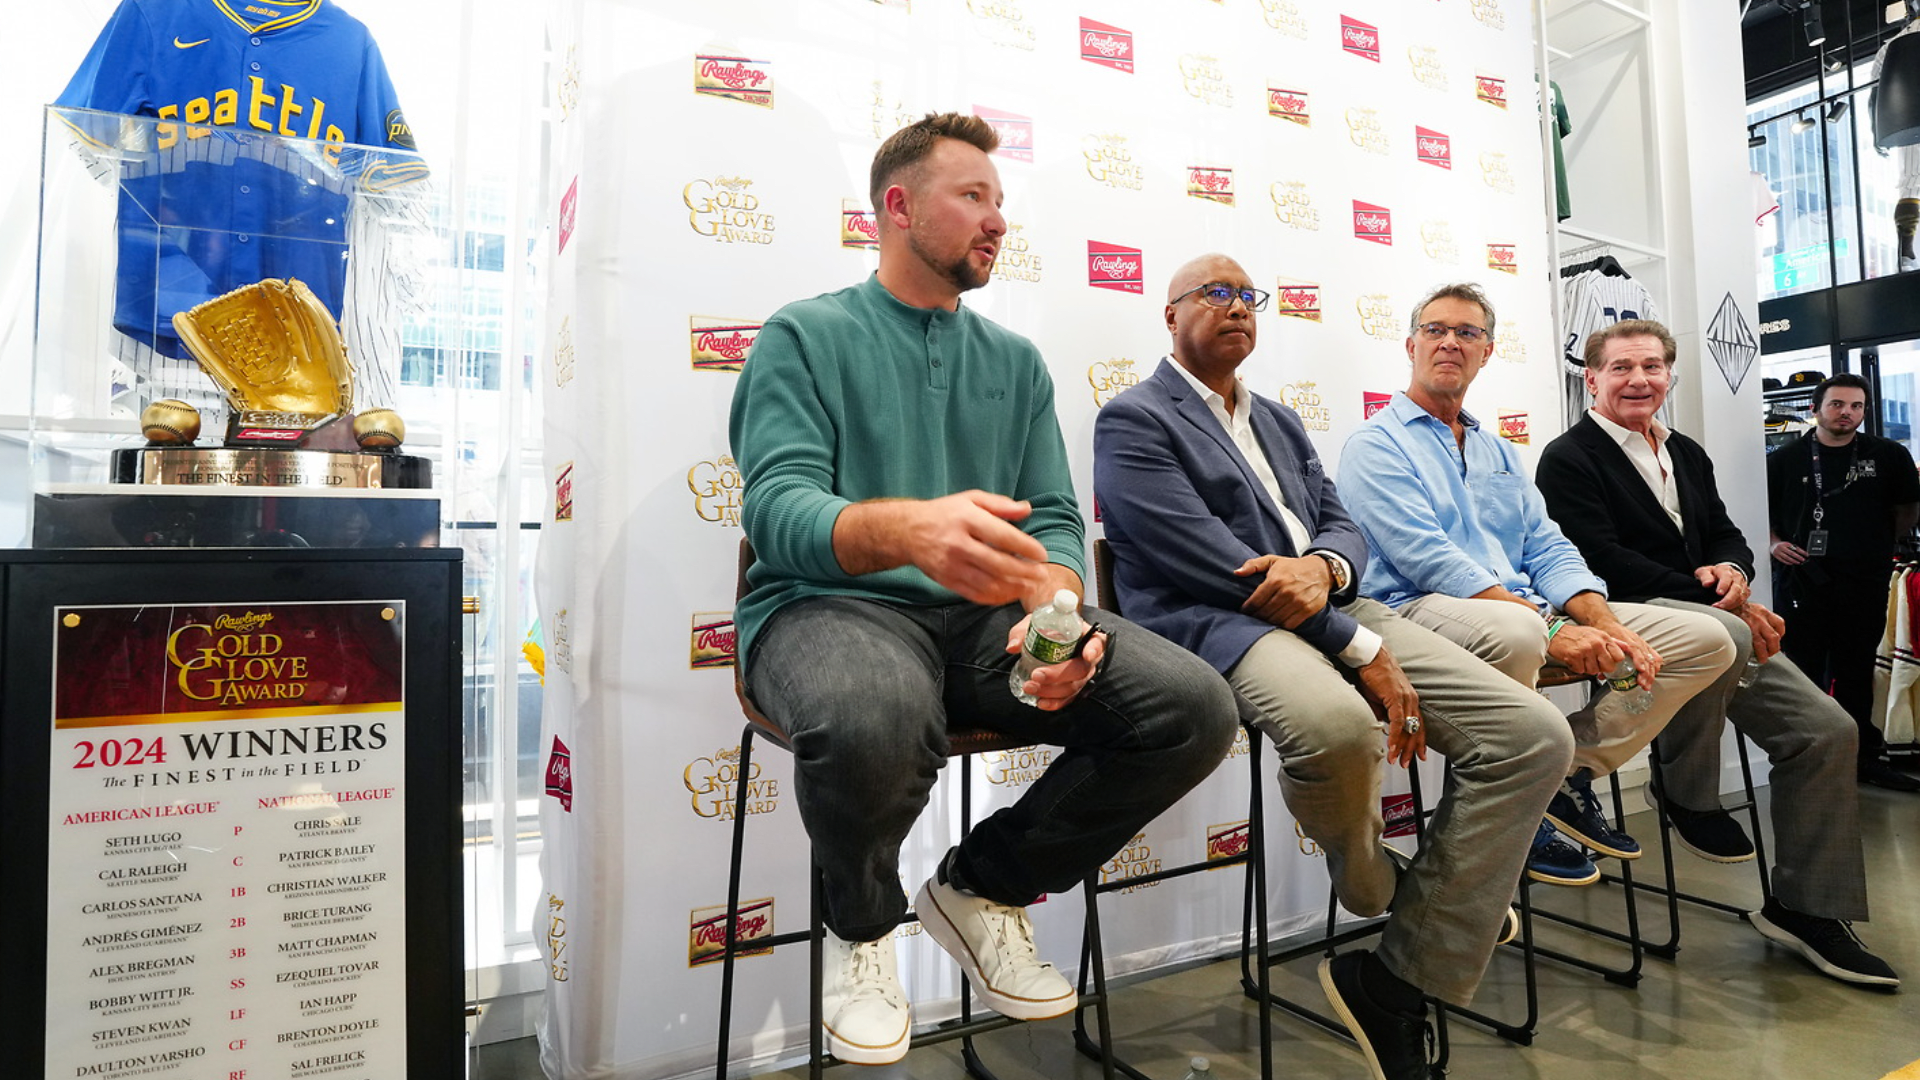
733,905
1637,948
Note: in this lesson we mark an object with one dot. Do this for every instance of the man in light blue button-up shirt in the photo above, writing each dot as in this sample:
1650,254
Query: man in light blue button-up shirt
1459,541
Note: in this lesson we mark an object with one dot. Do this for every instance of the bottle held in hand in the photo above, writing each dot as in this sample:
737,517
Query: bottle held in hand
1052,634
1625,682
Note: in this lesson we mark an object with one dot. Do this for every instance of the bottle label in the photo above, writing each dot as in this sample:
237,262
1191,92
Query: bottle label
1623,685
1048,651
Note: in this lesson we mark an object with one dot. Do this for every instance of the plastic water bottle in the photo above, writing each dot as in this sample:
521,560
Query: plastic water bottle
1750,672
1199,1069
1051,635
1625,682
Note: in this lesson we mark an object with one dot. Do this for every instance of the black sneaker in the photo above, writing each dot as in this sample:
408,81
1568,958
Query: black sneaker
1828,944
1882,775
1575,810
1397,1045
1711,834
1556,862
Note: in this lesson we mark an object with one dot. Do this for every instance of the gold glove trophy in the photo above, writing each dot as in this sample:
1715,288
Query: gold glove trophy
275,351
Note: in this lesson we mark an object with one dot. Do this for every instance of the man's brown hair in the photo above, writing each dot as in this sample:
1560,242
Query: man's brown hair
905,149
1626,328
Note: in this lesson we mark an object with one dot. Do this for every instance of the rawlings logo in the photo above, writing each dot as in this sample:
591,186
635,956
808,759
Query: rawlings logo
1110,266
736,75
1108,46
1433,147
1360,38
1015,132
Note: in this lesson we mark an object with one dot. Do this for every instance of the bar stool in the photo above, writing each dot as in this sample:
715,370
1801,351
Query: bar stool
963,742
1254,858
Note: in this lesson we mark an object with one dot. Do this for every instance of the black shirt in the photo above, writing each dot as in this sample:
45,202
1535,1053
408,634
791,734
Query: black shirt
1863,482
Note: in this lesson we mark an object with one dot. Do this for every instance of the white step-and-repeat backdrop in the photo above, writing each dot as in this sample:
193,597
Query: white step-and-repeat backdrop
711,165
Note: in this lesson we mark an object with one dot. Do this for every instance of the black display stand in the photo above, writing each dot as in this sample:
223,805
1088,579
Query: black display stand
35,584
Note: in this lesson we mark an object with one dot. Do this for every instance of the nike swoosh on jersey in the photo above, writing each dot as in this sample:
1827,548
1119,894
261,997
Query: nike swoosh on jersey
178,44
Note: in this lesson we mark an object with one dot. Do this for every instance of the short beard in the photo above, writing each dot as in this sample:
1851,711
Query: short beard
959,273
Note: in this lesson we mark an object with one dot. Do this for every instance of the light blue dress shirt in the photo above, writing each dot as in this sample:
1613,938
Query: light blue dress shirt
1441,521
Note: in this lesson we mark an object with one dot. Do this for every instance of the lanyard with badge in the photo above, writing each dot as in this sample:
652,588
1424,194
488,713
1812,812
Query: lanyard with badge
1817,539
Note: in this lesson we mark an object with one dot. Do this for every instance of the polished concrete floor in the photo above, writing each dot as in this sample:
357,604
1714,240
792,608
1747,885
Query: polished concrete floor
1729,1006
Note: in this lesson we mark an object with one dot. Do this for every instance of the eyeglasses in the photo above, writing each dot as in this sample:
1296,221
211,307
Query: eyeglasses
1220,294
1466,335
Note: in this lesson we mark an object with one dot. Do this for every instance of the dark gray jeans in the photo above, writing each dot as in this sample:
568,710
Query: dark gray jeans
863,690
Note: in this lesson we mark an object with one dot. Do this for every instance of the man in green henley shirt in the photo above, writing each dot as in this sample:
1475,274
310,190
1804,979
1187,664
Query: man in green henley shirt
908,497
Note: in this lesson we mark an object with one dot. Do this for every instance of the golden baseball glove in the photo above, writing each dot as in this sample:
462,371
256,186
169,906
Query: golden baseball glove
274,348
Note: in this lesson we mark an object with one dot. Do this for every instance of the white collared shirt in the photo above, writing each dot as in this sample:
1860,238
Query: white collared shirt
1652,462
1238,424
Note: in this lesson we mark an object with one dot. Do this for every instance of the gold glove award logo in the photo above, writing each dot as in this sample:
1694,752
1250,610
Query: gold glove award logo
1490,89
1111,163
1436,238
1109,377
707,931
1365,131
1508,344
720,344
713,641
1017,261
1502,257
1014,131
1285,16
713,785
1294,105
1428,70
1228,841
858,228
734,77
726,209
556,939
1376,316
1108,46
1293,205
563,353
1488,12
1134,860
716,490
1432,147
1305,401
560,642
1016,768
878,112
1296,298
566,93
1495,170
1206,80
1003,22
1211,182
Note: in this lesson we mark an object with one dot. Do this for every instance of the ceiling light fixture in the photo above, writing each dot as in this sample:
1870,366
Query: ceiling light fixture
1813,24
1837,111
1802,123
1755,140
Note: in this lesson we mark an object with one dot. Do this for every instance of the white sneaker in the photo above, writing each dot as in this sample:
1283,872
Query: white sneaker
863,1005
993,944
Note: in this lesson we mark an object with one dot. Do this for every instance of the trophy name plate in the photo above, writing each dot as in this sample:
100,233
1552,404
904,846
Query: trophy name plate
337,470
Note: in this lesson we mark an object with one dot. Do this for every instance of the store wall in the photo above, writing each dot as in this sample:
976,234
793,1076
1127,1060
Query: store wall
699,195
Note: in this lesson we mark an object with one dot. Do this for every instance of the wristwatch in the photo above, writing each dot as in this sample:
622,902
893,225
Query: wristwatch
1339,566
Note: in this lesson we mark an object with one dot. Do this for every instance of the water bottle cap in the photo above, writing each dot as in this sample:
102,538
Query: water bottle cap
1200,1064
1064,601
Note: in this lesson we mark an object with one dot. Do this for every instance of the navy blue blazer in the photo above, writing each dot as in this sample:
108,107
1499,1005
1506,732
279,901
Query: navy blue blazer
1182,509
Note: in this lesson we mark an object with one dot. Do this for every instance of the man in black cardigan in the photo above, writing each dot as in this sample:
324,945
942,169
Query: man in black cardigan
1640,503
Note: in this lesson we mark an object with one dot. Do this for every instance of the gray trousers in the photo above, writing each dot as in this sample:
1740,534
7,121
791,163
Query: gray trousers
1694,652
1818,865
1509,749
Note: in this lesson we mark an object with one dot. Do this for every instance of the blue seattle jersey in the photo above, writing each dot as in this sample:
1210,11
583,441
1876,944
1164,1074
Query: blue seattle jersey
203,214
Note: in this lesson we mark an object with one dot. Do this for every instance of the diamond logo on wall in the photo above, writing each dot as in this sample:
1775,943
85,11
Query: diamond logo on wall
1732,343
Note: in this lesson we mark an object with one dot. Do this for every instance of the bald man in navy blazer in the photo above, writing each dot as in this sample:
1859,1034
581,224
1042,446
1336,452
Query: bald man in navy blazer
1229,538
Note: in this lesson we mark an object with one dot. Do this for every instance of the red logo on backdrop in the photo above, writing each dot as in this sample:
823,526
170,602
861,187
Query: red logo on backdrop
707,931
1015,131
720,344
1294,105
734,77
858,229
1228,841
1299,299
1490,90
1110,266
1108,46
1096,510
1503,257
1371,403
560,775
713,642
1210,182
569,207
1433,147
1359,38
1373,223
1397,812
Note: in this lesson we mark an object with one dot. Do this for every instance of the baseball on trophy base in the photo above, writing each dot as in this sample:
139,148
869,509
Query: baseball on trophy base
170,422
379,429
